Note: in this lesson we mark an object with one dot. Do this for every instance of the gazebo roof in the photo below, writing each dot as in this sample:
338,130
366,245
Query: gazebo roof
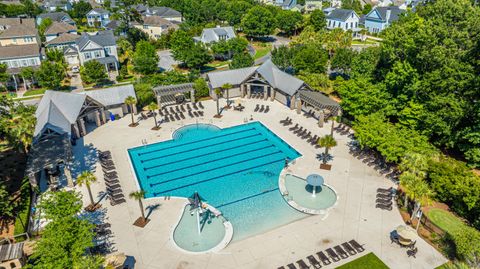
172,89
49,151
319,100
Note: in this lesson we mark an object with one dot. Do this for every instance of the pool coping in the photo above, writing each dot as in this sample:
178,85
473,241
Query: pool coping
293,204
220,246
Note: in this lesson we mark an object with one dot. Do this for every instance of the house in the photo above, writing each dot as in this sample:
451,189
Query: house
380,18
286,4
62,42
155,26
345,19
162,12
55,5
311,5
98,17
18,32
55,17
216,34
17,57
59,28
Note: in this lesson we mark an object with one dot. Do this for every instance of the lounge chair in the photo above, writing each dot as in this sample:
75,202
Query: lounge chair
195,113
182,116
289,122
112,181
302,133
261,109
412,252
340,252
177,117
349,249
291,266
201,105
257,107
384,206
177,109
117,201
172,118
190,114
144,117
195,106
285,120
384,196
332,254
383,201
267,109
166,119
108,169
294,127
200,113
103,233
188,107
113,192
110,176
117,195
103,225
113,186
309,134
302,264
385,191
314,262
356,245
323,258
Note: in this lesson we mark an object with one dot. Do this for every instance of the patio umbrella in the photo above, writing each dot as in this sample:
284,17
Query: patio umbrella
315,180
116,260
238,102
406,232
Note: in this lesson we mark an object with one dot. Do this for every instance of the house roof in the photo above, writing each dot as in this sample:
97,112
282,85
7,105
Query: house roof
113,95
9,22
113,24
98,10
64,39
167,90
102,38
212,34
382,13
55,3
274,76
19,30
156,21
340,14
19,51
164,12
60,27
56,16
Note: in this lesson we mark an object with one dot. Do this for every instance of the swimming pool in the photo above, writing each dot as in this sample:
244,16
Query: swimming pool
234,169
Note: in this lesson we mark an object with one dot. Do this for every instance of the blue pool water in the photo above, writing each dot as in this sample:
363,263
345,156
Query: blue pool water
234,169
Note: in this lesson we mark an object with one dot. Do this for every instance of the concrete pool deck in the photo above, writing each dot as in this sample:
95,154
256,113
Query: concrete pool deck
354,216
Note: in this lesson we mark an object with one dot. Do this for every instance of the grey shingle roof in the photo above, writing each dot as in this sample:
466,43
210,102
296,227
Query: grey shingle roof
60,27
113,95
19,51
17,21
274,76
102,38
340,14
64,39
164,12
56,16
212,34
382,12
156,21
19,30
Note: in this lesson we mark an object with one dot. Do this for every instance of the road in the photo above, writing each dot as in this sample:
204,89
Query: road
277,41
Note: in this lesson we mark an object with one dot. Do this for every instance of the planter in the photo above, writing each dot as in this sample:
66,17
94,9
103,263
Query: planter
133,124
217,116
325,166
91,208
141,222
156,128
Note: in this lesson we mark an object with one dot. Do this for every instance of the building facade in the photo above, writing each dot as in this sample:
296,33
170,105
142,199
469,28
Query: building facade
345,19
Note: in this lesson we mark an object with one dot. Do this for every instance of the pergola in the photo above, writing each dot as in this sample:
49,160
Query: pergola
166,94
319,102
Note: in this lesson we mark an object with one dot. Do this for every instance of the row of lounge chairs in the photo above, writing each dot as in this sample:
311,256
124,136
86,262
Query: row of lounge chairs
384,198
310,113
338,252
114,190
301,132
102,234
262,108
257,95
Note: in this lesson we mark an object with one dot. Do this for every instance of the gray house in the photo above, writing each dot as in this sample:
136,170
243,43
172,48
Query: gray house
55,17
216,34
381,17
98,16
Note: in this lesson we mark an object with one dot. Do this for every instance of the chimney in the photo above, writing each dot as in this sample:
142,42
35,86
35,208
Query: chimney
387,16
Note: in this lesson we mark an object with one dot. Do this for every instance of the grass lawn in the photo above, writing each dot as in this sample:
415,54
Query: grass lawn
216,64
260,52
369,261
34,92
445,220
367,42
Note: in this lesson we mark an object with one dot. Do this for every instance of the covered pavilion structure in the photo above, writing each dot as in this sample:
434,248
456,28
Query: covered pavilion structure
168,95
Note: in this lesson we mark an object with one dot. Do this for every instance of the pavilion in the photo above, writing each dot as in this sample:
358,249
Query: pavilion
167,95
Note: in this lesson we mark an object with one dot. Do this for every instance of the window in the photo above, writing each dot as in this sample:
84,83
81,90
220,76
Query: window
97,54
329,23
108,50
87,55
24,63
157,36
14,64
145,26
33,62
14,40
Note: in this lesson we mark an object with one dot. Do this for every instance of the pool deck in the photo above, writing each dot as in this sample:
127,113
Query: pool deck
354,216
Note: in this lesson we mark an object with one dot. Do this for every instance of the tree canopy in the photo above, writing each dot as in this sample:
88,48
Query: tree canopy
145,58
258,21
93,72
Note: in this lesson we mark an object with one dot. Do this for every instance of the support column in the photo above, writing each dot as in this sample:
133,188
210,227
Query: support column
68,175
102,114
321,118
116,68
299,106
83,130
292,102
33,180
192,96
98,121
106,68
24,84
15,82
76,130
124,109
159,102
265,92
242,90
249,90
272,94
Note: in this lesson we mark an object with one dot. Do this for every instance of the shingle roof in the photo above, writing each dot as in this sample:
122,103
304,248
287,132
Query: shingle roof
98,10
164,12
17,21
156,21
102,38
382,12
113,95
212,34
274,76
340,14
64,39
60,27
19,51
56,16
19,30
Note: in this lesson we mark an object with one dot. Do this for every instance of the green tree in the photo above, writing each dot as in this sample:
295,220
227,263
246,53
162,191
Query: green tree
46,22
19,125
352,4
4,76
241,60
289,21
282,57
226,88
310,58
342,60
50,75
138,196
317,20
465,247
80,10
258,22
93,72
193,55
27,73
336,39
145,58
153,107
144,93
326,142
131,101
6,205
201,88
60,204
87,178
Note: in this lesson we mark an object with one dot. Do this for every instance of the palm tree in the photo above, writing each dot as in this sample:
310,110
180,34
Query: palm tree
327,142
226,87
218,93
138,195
21,126
131,101
86,178
153,107
417,189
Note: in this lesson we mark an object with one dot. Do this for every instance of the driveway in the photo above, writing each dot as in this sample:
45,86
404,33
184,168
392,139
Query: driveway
75,82
166,62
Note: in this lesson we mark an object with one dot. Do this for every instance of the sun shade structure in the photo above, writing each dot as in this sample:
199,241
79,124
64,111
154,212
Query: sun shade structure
315,181
166,95
406,232
319,100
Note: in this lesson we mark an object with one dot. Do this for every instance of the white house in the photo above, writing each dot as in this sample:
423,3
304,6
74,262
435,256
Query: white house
380,18
345,19
100,46
216,34
98,16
